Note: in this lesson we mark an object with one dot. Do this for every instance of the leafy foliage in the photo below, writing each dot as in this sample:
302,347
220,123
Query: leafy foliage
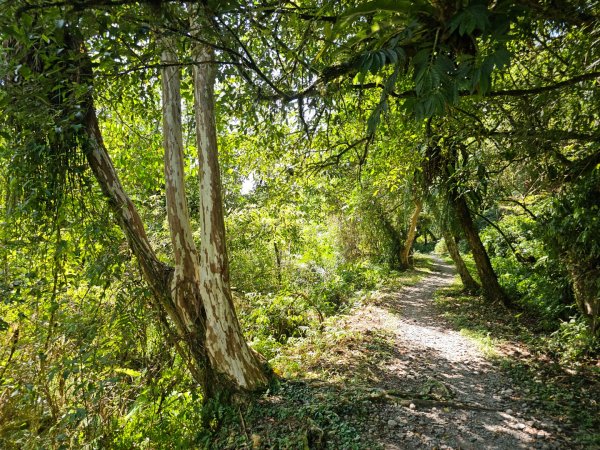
333,118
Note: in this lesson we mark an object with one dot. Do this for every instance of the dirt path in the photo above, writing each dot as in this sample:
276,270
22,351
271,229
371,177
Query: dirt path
439,389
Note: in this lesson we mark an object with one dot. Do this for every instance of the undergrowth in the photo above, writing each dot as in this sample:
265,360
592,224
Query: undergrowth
275,323
294,415
134,390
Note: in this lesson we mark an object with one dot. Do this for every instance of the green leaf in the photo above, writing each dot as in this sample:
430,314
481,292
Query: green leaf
391,55
365,65
502,57
469,19
130,372
397,6
378,62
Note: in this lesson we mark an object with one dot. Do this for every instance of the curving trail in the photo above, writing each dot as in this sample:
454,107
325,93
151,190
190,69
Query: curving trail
443,392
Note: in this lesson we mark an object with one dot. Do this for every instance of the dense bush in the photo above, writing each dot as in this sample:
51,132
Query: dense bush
535,280
270,319
533,274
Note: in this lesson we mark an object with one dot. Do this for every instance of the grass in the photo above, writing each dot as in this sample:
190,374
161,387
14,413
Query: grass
451,299
319,400
485,342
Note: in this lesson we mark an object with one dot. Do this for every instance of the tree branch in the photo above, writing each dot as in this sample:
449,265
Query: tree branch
540,89
554,135
334,160
518,256
350,68
583,166
522,205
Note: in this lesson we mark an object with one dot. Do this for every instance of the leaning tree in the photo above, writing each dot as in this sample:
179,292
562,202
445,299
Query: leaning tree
51,60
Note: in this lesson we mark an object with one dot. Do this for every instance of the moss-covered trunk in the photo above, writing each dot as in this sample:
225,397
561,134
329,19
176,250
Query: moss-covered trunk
492,290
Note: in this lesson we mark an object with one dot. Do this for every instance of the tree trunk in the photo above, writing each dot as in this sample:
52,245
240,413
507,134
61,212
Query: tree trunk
585,274
278,262
203,314
185,282
157,274
489,282
469,283
229,353
405,262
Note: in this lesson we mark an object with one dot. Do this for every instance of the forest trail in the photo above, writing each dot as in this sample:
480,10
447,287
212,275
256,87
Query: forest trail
436,387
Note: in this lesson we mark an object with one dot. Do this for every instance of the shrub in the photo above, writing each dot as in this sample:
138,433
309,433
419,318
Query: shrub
573,341
440,247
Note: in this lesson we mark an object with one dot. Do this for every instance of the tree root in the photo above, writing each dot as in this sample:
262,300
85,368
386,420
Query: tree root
406,398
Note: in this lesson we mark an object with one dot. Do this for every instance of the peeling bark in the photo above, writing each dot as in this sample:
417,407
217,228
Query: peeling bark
185,282
197,290
156,273
228,351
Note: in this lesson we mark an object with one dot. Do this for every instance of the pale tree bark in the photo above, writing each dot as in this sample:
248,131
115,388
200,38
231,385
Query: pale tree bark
178,292
228,351
157,274
185,282
405,262
469,283
186,279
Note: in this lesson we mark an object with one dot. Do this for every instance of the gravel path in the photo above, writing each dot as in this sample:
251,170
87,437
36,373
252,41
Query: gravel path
474,405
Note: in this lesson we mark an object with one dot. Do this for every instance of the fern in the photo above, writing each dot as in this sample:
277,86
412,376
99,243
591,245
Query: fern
374,61
473,17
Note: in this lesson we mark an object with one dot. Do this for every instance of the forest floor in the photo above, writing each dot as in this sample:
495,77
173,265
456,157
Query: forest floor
397,372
